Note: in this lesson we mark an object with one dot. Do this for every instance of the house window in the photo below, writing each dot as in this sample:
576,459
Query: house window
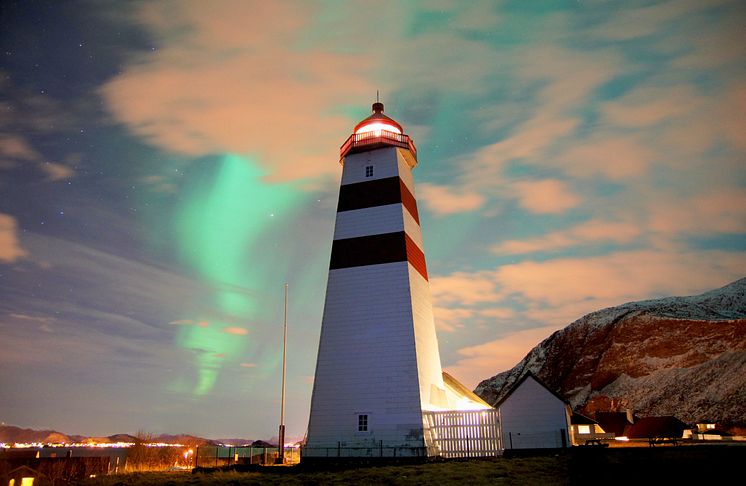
368,171
362,423
584,429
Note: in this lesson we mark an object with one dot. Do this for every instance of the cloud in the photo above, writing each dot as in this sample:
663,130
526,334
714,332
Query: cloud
25,116
651,105
713,48
277,85
16,147
732,114
476,363
612,157
619,277
10,246
160,184
589,233
633,23
56,172
485,168
547,196
715,212
549,123
502,313
237,331
570,76
43,321
189,322
442,200
26,317
449,320
548,295
463,288
232,77
180,322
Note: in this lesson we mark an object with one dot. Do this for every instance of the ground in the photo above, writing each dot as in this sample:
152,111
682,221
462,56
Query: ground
684,464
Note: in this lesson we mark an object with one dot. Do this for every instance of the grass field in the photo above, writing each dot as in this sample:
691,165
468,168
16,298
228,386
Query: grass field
661,465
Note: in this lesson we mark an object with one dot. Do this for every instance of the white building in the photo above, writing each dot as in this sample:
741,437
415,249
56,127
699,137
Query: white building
379,389
533,417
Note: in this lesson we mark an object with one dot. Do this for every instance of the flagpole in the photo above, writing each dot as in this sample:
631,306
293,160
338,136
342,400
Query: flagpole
281,445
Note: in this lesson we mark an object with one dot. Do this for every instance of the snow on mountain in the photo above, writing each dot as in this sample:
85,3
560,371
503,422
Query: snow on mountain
681,356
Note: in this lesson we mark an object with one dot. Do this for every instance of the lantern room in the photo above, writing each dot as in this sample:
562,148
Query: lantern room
377,131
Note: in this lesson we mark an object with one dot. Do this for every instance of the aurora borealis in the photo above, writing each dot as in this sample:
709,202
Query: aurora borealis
165,167
218,229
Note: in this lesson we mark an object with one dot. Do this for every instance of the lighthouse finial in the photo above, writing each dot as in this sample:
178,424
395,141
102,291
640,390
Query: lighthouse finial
377,106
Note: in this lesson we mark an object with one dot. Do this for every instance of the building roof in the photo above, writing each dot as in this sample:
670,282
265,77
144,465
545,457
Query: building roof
458,389
28,470
647,427
520,381
614,422
580,419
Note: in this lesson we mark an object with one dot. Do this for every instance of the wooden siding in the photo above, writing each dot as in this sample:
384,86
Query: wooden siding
463,433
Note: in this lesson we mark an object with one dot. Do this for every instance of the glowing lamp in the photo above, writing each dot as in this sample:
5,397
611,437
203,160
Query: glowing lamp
377,127
377,122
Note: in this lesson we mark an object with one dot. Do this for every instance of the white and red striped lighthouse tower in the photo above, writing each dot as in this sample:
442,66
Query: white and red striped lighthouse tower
378,364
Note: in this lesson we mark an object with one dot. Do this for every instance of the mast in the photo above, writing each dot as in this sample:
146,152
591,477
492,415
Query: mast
281,445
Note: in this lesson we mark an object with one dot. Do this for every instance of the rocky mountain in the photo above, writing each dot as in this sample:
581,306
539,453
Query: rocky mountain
681,356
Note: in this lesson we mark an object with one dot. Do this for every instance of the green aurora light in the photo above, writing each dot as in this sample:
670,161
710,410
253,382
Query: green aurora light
219,230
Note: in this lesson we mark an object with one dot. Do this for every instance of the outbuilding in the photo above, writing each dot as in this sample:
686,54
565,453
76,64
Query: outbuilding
532,416
586,431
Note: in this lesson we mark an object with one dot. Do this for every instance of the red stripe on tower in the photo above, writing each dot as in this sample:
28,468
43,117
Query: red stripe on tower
415,257
408,200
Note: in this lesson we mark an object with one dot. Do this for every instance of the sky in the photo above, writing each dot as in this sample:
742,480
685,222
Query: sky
167,166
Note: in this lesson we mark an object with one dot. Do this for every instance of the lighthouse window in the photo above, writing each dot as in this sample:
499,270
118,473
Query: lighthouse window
368,171
362,423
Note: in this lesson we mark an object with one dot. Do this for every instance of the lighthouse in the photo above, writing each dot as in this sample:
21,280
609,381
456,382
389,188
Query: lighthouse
378,371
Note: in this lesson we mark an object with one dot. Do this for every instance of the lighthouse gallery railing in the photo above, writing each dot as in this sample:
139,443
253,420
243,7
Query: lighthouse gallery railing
383,137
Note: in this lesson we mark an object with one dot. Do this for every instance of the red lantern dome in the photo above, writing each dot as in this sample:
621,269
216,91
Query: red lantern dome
377,122
377,131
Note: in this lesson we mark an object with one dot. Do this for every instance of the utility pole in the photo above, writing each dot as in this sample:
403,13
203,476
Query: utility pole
281,445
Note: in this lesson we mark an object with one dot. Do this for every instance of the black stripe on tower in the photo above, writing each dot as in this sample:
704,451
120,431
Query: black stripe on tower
377,249
368,250
368,194
378,192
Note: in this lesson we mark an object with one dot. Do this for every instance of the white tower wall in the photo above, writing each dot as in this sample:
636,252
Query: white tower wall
378,353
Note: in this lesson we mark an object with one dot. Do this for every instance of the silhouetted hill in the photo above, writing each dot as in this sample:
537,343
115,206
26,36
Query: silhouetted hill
11,434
